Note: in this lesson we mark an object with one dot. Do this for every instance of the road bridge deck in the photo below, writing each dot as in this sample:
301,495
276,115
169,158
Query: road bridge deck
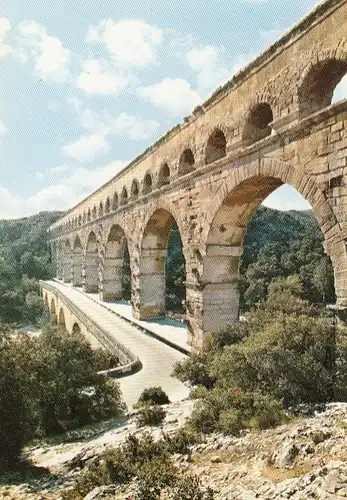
157,357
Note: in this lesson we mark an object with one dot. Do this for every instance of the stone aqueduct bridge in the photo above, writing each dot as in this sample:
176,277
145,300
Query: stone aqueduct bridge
273,123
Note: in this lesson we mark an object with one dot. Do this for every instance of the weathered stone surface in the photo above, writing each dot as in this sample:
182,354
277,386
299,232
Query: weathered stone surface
272,124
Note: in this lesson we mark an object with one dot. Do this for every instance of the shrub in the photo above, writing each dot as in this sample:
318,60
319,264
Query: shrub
230,422
189,488
153,396
181,440
150,415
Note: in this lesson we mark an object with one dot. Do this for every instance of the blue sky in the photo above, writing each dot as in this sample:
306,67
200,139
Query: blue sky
86,86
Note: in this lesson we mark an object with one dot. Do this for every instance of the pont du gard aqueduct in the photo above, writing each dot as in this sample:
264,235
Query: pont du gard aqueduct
273,123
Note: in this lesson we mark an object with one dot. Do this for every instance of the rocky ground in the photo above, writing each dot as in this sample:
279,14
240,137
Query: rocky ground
304,459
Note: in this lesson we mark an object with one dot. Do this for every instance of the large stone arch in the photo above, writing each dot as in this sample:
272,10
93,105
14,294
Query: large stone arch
77,262
112,272
91,264
224,229
149,301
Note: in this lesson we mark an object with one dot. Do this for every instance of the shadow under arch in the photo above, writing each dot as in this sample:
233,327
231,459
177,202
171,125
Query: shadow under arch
226,230
76,329
113,275
91,278
153,257
61,319
53,311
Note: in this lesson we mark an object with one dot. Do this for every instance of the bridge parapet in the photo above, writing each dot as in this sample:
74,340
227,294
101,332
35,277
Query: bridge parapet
129,362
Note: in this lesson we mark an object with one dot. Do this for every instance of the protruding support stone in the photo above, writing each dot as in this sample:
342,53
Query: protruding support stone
67,269
112,279
91,272
213,300
150,296
77,268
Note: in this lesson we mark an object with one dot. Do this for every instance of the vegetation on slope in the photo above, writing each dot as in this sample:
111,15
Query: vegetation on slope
50,384
24,259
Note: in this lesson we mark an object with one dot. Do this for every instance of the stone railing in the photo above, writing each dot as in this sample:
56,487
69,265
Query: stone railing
129,362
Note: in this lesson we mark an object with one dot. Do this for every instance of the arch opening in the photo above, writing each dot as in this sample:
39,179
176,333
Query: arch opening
124,196
77,263
46,302
186,162
89,216
61,319
94,212
91,278
76,329
216,147
250,244
115,201
147,183
162,269
340,92
116,269
134,189
258,124
318,87
101,209
164,175
53,310
108,206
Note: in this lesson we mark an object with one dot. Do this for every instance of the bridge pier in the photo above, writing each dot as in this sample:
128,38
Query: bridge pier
77,269
150,295
112,279
91,272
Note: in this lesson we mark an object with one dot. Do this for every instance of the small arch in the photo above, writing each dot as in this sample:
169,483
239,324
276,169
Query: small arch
89,216
258,123
317,89
186,162
216,146
94,212
147,183
124,196
80,220
115,201
101,209
61,319
134,189
108,206
76,329
164,175
84,219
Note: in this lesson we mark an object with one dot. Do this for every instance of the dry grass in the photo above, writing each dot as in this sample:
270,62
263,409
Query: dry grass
278,475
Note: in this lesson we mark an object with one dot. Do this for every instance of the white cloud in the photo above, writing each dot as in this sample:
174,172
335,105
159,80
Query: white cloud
173,94
97,78
5,27
198,59
68,192
102,125
131,42
206,62
87,147
51,58
3,129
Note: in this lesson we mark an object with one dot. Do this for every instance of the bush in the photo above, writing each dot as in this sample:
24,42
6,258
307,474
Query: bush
153,396
49,384
150,415
181,440
189,488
